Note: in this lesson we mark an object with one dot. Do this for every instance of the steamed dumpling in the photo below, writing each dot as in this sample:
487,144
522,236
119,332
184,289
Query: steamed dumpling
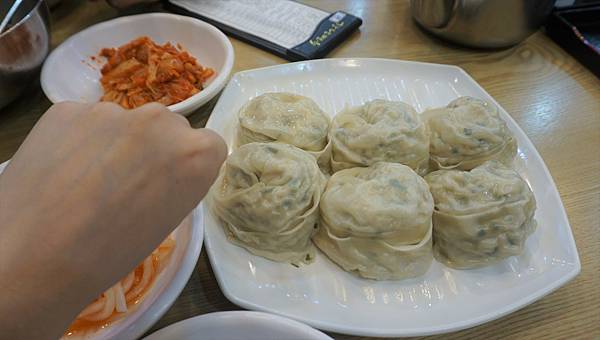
376,222
468,132
379,131
481,216
286,118
267,199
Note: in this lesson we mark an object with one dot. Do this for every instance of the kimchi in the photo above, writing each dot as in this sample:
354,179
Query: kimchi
142,71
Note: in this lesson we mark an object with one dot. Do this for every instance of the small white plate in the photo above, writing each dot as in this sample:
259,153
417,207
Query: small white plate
238,325
70,75
443,300
167,287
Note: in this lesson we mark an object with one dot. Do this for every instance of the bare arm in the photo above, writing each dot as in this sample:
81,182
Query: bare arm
91,192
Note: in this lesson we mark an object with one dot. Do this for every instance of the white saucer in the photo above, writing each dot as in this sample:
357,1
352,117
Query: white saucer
238,325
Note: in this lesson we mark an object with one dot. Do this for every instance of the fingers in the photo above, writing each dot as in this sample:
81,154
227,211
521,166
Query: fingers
211,146
205,153
157,111
66,109
150,111
208,150
198,153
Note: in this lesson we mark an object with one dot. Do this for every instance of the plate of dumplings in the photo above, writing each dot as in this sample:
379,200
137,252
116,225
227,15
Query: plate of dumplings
381,198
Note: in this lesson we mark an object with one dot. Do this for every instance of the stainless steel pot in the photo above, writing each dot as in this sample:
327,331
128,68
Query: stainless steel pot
23,47
482,23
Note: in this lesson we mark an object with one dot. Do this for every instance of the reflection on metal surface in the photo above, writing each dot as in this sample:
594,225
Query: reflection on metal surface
482,23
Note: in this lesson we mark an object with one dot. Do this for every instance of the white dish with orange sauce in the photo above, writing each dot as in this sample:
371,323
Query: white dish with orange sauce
70,74
160,295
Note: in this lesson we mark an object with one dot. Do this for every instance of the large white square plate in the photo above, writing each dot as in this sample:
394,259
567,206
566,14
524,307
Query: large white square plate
443,300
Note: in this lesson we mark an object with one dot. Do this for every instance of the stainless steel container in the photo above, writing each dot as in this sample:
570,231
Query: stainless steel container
23,47
482,23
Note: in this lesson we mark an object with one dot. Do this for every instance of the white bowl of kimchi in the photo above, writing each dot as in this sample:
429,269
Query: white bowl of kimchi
73,71
135,303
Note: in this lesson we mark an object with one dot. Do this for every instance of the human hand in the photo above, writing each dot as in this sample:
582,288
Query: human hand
89,194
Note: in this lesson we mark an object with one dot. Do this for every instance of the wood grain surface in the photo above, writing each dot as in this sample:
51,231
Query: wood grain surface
554,99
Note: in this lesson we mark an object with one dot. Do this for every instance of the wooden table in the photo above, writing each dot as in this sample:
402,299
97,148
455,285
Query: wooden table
554,99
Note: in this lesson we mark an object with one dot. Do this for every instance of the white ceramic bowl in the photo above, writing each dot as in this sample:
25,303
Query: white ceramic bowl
70,75
237,325
167,287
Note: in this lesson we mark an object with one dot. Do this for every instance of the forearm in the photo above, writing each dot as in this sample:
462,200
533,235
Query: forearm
89,194
44,279
40,294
